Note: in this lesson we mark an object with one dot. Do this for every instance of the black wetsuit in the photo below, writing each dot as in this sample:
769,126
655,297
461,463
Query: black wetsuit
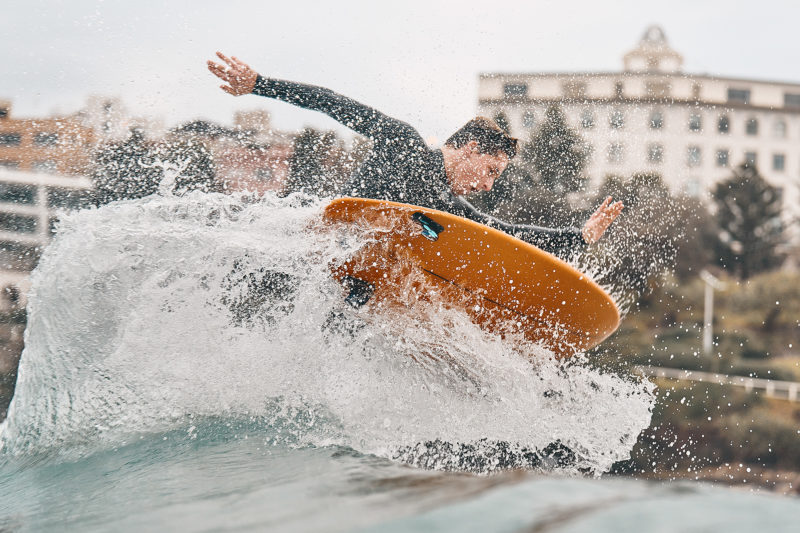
401,167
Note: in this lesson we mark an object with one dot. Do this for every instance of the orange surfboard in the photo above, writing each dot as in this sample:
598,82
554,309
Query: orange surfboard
505,285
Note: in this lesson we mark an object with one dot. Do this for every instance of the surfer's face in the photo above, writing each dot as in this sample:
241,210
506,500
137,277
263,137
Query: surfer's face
476,171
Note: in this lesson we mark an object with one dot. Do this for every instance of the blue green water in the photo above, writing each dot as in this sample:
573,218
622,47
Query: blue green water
234,482
162,388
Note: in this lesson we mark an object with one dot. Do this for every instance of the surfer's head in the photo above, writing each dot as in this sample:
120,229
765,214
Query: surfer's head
476,155
491,138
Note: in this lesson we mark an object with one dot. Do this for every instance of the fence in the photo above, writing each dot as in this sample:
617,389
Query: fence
785,390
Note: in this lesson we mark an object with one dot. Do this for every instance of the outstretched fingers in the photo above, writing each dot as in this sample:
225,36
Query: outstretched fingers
218,70
601,219
226,59
241,79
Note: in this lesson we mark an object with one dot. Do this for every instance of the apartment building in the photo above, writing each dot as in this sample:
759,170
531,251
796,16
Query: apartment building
652,117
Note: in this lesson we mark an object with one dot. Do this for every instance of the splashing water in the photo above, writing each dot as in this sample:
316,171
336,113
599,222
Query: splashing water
147,314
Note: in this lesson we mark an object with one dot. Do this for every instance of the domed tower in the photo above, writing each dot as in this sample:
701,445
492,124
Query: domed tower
653,54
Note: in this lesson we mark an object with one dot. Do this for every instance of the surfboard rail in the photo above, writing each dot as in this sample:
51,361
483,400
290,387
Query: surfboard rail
504,284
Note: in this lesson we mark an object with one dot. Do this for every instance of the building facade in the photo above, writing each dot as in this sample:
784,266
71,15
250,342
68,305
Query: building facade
29,203
53,145
653,118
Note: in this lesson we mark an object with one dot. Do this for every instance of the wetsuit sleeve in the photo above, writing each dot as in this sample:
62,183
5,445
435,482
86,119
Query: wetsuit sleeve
562,242
356,116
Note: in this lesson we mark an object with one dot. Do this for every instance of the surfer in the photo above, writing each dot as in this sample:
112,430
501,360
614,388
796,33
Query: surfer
402,168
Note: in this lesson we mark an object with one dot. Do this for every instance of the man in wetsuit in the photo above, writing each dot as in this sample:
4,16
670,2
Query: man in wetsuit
402,168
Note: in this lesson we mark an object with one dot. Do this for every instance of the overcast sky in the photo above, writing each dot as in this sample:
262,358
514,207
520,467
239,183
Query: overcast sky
415,60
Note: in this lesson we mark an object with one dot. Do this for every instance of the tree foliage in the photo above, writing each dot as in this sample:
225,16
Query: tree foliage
642,243
125,170
320,165
135,167
748,218
556,154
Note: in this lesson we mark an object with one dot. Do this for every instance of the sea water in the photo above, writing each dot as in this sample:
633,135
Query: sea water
190,365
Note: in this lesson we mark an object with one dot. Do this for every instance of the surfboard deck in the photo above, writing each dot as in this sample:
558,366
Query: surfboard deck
505,285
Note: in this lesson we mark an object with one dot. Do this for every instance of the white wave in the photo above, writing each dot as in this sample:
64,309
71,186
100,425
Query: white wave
145,312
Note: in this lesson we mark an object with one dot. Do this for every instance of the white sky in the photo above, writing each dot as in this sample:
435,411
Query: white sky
415,60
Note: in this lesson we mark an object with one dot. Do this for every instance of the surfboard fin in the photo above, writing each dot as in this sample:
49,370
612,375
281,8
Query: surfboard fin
430,228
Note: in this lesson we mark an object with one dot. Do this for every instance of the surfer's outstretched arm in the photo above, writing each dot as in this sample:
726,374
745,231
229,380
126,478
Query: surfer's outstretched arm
562,242
559,241
242,79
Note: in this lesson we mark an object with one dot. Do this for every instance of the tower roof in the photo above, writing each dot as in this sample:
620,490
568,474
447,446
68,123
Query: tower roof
653,54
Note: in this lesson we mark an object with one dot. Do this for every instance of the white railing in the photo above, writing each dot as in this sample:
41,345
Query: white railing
785,390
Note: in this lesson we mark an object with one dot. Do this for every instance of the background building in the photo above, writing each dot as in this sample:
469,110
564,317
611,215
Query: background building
54,145
653,118
29,202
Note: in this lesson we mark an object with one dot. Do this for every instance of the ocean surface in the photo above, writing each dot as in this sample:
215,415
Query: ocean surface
190,365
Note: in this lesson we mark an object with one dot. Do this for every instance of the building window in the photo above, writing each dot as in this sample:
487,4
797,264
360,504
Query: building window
3,112
615,152
68,198
656,120
695,122
619,90
723,124
617,119
778,162
17,223
17,193
693,187
696,91
515,90
587,119
17,256
693,156
739,96
45,139
657,89
780,129
655,153
528,118
722,158
10,139
575,90
751,126
750,159
8,163
791,100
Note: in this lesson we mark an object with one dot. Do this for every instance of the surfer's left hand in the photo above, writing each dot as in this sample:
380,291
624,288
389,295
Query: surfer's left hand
600,220
240,77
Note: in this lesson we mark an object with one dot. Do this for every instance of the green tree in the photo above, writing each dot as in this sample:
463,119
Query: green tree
556,154
135,167
750,228
306,167
195,163
502,121
125,170
695,250
642,244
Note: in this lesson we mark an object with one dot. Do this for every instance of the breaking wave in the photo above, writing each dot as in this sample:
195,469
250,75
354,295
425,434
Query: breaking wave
147,315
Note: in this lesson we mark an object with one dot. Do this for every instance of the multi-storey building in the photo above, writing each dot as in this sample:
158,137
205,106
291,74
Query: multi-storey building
42,164
29,202
653,118
53,145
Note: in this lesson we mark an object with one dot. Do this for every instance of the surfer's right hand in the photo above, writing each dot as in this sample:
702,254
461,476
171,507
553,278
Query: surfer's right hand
241,79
